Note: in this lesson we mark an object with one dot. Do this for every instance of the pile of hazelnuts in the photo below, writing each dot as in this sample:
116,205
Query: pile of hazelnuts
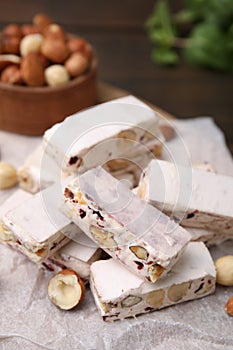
42,54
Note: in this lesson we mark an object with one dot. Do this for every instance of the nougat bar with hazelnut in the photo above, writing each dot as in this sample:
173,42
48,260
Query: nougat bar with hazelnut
29,174
209,237
39,172
195,197
141,237
74,255
102,133
16,198
77,256
119,294
37,228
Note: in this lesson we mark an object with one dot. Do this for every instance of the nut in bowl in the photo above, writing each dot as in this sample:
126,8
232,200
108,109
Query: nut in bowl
47,76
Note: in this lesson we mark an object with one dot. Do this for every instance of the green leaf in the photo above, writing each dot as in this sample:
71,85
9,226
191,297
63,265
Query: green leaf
159,26
164,56
197,7
210,42
207,47
164,14
184,16
222,10
161,37
152,22
230,39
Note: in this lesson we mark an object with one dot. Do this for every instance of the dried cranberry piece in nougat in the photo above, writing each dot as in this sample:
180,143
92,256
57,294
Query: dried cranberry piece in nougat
126,227
199,198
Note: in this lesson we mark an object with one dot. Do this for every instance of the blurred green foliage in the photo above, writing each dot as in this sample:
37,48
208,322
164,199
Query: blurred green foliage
208,41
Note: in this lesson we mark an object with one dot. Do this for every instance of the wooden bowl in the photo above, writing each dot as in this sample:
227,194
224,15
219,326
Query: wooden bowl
32,110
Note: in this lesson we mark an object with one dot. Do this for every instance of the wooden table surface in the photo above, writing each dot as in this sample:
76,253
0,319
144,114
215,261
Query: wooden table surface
116,30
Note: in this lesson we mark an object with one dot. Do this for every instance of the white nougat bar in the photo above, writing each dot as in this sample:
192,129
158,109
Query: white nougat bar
120,294
210,238
30,176
17,198
39,172
77,256
198,198
126,227
107,131
37,228
74,255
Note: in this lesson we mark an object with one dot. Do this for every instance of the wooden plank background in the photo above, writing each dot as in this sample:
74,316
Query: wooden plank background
116,30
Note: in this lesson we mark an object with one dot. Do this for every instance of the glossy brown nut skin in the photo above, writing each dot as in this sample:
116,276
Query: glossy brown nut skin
12,30
55,50
29,29
41,21
88,52
80,45
76,44
55,32
11,45
32,70
8,59
229,306
11,75
76,64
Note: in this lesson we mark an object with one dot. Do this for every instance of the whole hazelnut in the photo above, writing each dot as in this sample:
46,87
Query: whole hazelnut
80,45
11,75
229,306
76,44
88,52
55,50
44,61
41,21
54,31
32,70
30,43
6,60
56,75
11,45
224,269
12,30
76,64
29,29
8,175
66,289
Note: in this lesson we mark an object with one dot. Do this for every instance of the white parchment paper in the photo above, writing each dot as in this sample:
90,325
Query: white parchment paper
28,320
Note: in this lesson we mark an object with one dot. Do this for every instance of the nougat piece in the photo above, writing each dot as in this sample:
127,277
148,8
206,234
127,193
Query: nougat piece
74,255
29,174
210,238
39,172
38,228
102,133
126,227
119,294
130,169
195,197
77,256
17,198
